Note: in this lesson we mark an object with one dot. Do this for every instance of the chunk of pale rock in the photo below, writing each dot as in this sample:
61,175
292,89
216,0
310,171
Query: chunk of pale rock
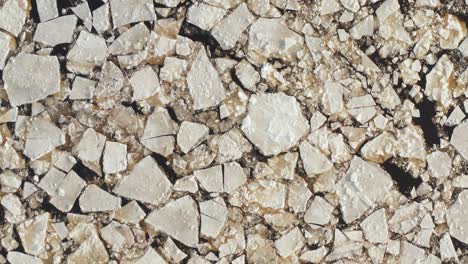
7,43
42,137
84,13
298,195
90,148
274,122
332,98
272,39
363,28
290,242
146,183
14,210
82,89
115,157
169,3
191,135
319,212
178,219
21,258
439,164
213,214
456,218
375,227
411,254
32,233
56,31
234,177
63,160
210,179
131,41
380,148
459,139
186,184
204,83
352,5
43,78
173,69
455,117
172,252
117,235
315,162
150,257
88,52
91,249
130,213
13,14
130,11
204,16
329,7
47,9
247,75
284,165
95,199
267,193
9,116
315,256
452,32
229,30
447,250
411,143
61,229
439,81
111,80
231,145
159,123
101,19
9,181
464,48
361,188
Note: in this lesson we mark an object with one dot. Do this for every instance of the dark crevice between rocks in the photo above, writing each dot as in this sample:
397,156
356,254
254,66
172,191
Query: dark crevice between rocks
66,4
84,172
427,111
34,13
94,4
54,212
172,114
404,180
163,164
134,105
459,245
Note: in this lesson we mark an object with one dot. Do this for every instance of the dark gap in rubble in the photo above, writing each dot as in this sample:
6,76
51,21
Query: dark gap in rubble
16,237
84,172
2,215
144,207
235,79
51,209
404,180
34,13
158,240
134,105
449,129
64,4
459,245
163,164
427,111
404,6
94,4
172,113
60,50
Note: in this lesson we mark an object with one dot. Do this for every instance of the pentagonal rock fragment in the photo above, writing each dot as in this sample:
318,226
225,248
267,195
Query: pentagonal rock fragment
56,31
179,219
43,137
88,52
274,122
29,78
95,199
146,183
213,214
190,135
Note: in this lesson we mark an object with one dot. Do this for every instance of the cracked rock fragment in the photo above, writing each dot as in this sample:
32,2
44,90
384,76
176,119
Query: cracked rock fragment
89,51
361,188
178,219
274,122
43,137
203,82
56,31
95,199
115,157
43,78
32,233
146,183
13,14
213,215
190,135
125,12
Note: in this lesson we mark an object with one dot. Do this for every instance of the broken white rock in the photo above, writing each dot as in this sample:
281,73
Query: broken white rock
315,162
43,136
459,139
274,122
290,242
146,183
145,83
204,83
439,81
456,218
32,233
84,13
229,30
186,184
82,89
115,157
375,227
361,188
319,212
15,257
130,213
298,195
247,75
269,38
191,135
315,256
211,179
7,43
101,19
178,219
88,52
234,177
47,9
130,11
56,31
13,14
43,78
131,41
213,214
117,235
95,199
90,148
204,16
439,164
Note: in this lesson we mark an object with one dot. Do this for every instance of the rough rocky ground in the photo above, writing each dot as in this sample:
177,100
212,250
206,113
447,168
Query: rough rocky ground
232,131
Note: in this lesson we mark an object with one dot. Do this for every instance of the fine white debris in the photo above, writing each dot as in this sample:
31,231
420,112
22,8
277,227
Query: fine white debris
43,78
274,122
